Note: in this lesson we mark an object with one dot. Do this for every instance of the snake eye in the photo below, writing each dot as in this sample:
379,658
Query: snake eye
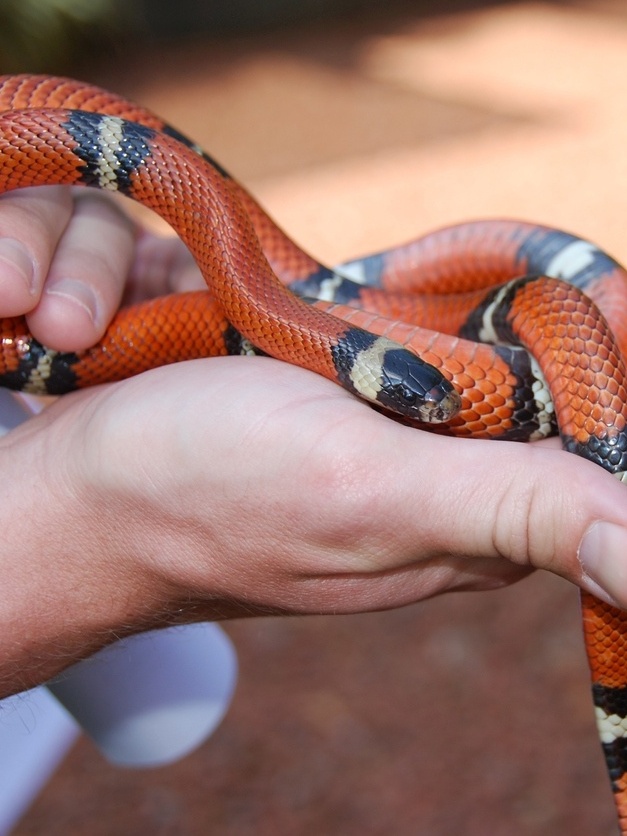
405,394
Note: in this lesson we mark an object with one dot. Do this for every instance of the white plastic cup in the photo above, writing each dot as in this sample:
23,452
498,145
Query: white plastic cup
154,697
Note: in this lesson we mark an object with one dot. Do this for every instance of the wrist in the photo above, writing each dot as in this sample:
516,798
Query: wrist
68,587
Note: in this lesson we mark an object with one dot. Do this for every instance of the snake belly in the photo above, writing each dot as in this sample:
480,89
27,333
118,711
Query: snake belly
491,329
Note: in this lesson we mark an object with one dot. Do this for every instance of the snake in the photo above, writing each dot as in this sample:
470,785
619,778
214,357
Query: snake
496,329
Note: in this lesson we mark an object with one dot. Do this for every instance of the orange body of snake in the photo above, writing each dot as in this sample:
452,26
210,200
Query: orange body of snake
494,329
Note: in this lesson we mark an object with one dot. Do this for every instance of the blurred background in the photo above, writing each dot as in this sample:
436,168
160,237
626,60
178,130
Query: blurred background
360,125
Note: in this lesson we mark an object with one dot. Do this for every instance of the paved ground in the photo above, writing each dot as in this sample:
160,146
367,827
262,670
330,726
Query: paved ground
467,714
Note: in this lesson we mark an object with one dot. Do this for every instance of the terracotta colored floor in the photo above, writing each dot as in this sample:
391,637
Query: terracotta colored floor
468,714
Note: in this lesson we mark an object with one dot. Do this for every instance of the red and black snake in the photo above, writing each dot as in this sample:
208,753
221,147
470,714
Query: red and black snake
493,329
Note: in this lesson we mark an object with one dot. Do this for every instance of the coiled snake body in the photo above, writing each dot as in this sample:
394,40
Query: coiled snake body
490,329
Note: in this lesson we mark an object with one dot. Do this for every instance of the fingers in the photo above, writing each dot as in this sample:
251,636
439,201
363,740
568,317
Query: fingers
64,260
69,257
31,223
86,275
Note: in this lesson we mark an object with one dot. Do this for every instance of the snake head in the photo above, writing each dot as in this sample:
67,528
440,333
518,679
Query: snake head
415,389
389,375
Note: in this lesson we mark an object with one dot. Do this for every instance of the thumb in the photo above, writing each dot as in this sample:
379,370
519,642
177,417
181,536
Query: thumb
532,504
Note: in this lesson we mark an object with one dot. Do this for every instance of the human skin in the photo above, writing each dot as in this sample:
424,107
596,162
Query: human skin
234,487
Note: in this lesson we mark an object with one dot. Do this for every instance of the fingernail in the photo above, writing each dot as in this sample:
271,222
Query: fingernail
603,558
79,293
15,259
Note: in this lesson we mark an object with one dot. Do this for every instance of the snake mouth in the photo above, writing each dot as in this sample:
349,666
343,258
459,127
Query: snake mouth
438,408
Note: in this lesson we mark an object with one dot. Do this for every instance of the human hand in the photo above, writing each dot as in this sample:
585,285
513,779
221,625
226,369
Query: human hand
275,490
240,486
